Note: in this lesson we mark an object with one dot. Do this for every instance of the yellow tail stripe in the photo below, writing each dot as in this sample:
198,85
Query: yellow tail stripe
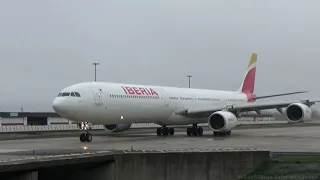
253,59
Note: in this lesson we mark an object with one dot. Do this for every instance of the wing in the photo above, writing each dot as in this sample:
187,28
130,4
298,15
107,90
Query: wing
202,112
275,95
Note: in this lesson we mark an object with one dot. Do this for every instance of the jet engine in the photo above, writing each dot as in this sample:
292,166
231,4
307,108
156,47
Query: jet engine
222,121
117,127
298,112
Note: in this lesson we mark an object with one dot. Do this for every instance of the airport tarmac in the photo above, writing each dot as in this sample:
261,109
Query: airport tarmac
274,139
134,131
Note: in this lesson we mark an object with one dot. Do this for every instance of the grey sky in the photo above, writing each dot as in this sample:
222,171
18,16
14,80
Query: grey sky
47,45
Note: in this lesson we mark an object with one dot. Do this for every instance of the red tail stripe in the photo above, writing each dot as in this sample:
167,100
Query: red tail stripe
248,83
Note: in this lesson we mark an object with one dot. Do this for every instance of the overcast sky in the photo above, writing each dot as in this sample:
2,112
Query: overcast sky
48,45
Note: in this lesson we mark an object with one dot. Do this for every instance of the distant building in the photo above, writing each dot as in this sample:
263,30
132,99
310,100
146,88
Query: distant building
31,118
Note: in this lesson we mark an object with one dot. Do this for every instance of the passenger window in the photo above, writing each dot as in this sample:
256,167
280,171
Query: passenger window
65,94
77,94
72,94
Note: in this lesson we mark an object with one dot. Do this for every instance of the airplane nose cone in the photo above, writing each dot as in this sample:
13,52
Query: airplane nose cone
55,105
63,107
58,105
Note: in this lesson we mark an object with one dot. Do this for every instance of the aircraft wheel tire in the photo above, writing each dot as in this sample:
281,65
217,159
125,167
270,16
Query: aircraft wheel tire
89,137
200,131
159,131
165,131
194,131
171,131
189,131
83,137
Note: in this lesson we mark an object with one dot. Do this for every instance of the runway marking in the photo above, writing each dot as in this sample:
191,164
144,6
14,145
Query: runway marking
11,150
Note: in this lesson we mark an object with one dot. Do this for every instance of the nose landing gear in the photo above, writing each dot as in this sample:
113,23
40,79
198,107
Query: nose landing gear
85,137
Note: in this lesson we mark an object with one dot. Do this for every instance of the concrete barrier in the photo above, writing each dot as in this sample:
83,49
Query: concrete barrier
227,164
192,165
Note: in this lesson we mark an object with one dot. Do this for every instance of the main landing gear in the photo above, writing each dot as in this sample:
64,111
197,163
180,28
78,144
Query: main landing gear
165,131
85,137
195,130
215,133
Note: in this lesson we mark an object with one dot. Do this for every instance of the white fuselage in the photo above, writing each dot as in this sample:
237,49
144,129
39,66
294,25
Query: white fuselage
115,103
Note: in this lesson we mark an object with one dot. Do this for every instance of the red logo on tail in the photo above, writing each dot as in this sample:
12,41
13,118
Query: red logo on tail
247,86
249,80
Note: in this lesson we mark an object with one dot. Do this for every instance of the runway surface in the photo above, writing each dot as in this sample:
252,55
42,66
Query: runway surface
274,139
57,134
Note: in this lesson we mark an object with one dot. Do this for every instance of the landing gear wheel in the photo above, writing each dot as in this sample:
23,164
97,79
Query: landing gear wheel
200,131
189,131
165,131
88,137
85,137
159,131
171,131
195,131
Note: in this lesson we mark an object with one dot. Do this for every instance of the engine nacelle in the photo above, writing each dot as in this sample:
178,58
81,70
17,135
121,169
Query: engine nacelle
117,127
222,121
298,112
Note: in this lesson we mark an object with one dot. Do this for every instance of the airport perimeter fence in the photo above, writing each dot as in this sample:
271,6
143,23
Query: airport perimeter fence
296,157
281,154
74,127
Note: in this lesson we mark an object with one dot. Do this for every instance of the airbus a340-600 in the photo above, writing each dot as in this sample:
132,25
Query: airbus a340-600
117,106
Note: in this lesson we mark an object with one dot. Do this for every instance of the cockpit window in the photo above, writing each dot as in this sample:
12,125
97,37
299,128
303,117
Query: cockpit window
65,94
73,94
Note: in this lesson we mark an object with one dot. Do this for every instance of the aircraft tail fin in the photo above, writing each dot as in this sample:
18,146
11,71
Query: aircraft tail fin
247,85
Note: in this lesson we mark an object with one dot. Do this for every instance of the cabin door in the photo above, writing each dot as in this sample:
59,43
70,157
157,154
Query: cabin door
97,94
165,98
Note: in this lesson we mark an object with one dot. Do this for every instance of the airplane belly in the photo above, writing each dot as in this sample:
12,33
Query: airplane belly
175,119
128,112
146,113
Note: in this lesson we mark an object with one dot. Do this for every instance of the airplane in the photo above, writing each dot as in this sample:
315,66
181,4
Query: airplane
118,105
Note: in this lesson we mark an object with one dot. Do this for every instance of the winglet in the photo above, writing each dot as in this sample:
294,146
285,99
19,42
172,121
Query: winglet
247,85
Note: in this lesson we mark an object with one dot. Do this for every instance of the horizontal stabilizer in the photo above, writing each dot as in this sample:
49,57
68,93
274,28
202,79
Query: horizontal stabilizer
275,95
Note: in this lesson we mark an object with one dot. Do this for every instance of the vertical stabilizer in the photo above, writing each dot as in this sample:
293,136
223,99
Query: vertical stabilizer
247,85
